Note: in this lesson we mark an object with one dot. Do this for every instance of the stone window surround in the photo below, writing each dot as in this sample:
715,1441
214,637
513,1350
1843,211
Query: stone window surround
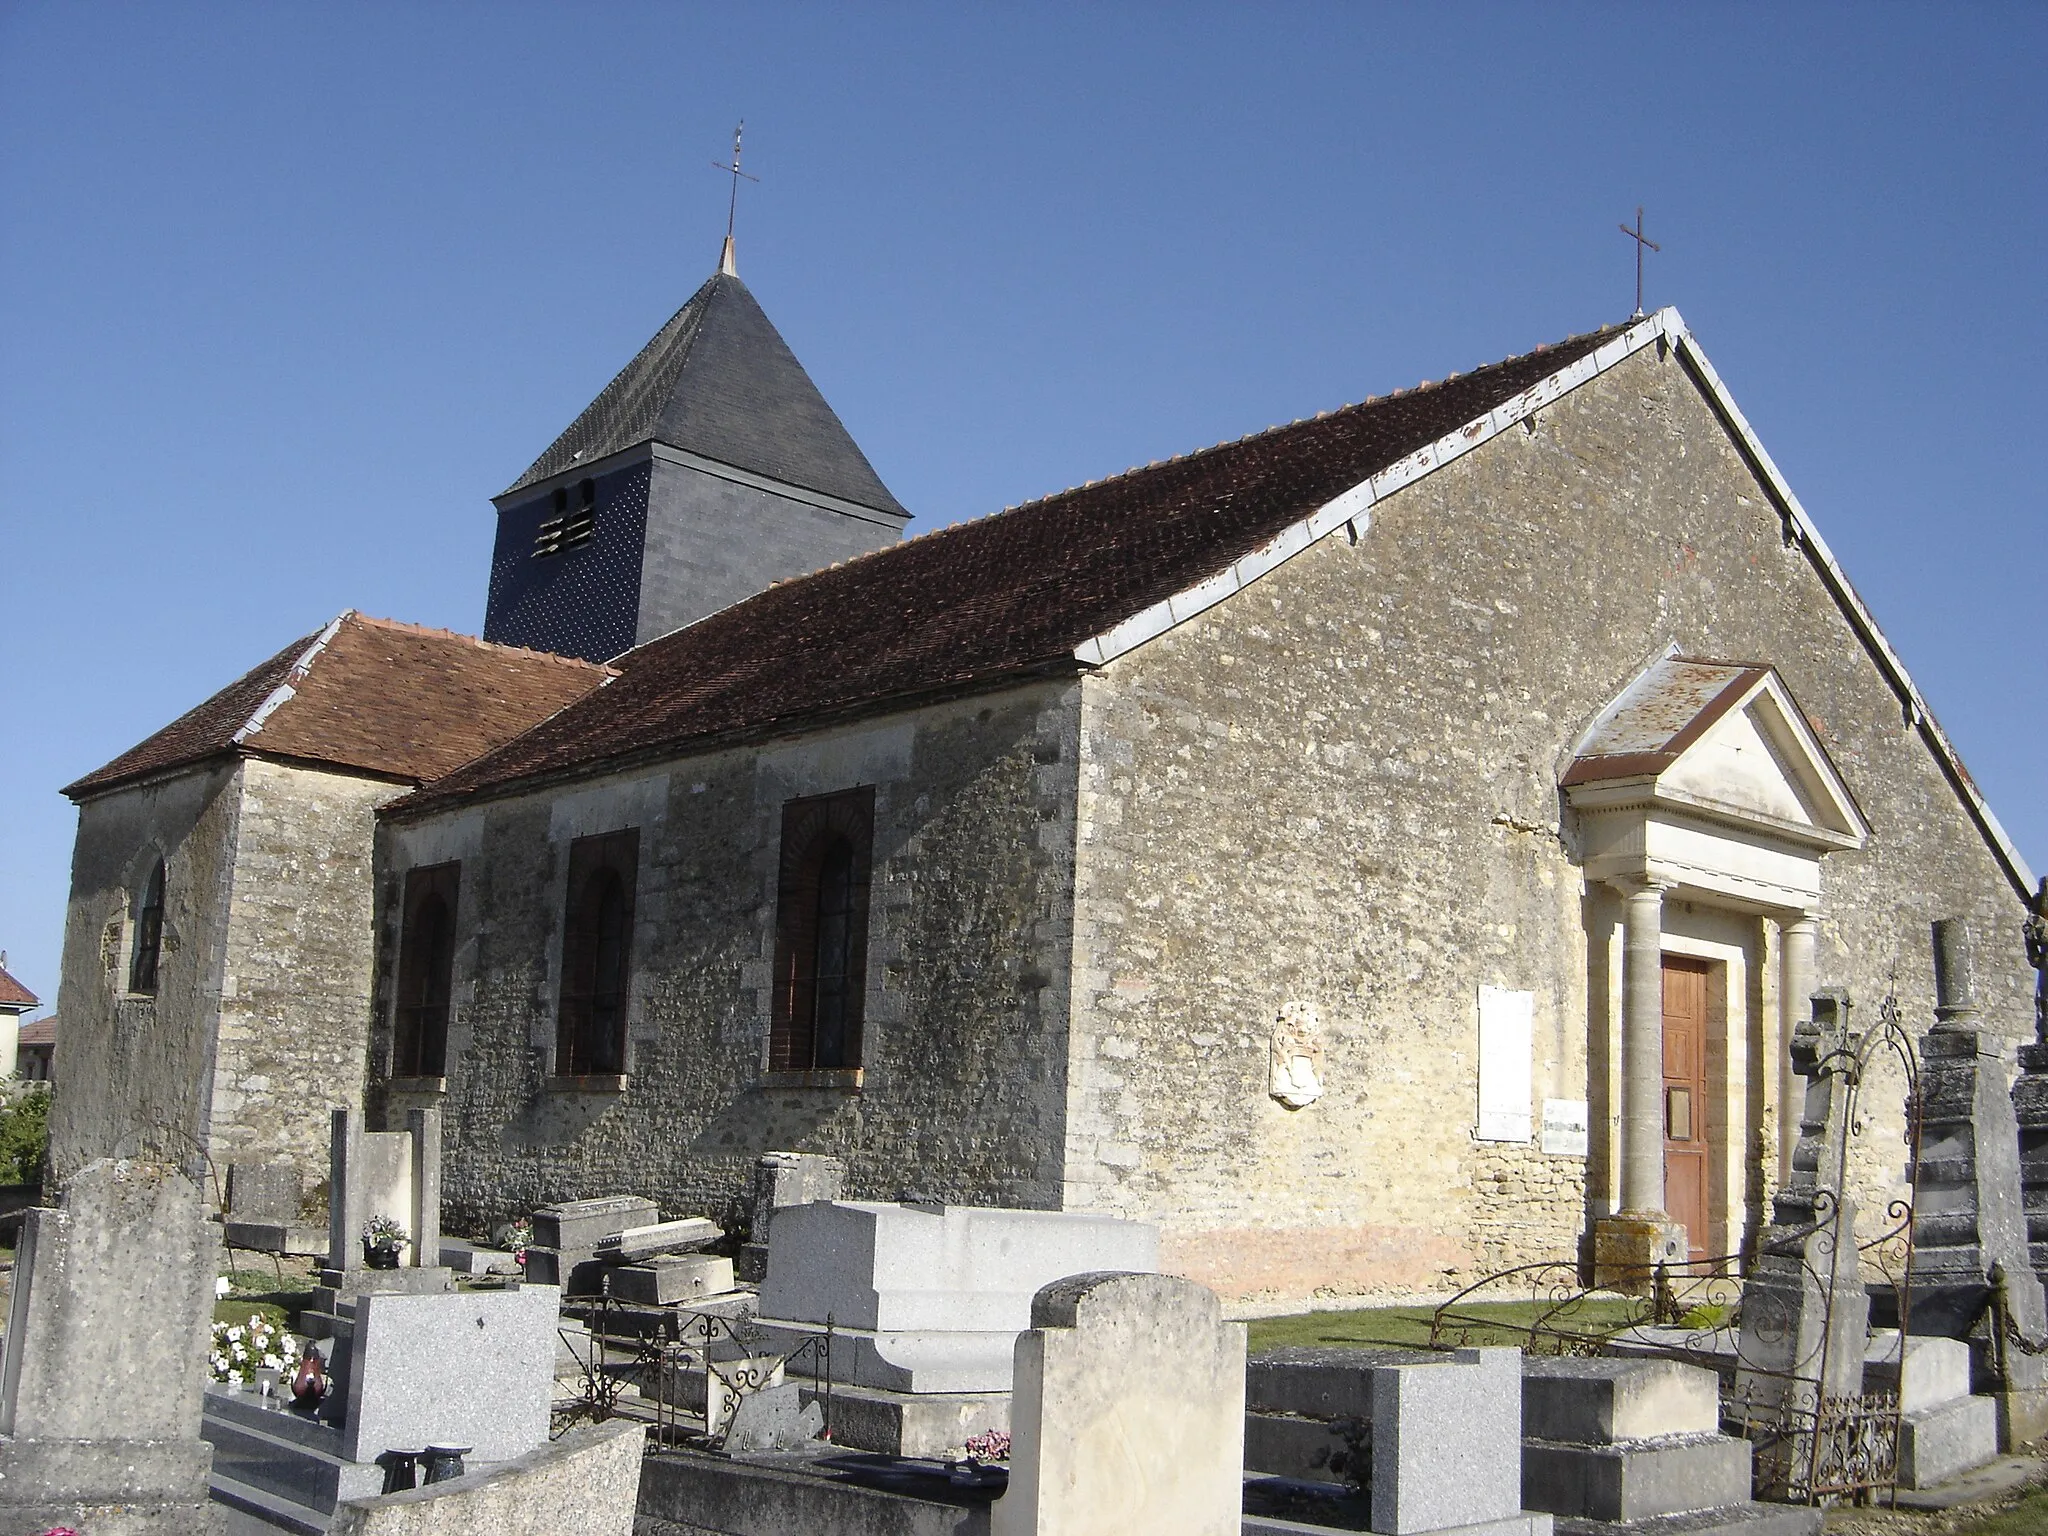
152,856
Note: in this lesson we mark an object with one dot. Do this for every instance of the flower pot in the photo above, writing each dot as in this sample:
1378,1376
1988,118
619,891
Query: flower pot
380,1258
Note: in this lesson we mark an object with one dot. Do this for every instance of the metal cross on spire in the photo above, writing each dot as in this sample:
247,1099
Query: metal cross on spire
726,264
1641,240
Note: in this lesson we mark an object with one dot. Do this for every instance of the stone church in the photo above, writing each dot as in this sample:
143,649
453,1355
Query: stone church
1380,850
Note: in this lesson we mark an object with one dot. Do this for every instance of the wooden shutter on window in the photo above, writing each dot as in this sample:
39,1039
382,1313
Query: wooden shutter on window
426,972
597,955
821,932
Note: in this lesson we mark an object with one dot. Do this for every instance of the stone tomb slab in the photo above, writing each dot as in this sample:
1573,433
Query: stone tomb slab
580,1224
1600,1401
917,1268
670,1278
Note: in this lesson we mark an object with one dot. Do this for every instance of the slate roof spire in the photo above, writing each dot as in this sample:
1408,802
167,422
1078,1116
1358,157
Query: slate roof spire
718,380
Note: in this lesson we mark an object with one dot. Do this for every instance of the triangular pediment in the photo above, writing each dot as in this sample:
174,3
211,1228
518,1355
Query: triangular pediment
1723,739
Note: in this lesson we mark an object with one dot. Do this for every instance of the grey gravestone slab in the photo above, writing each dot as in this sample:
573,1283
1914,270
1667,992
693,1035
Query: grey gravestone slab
1128,1414
384,1173
472,1368
108,1329
1938,1443
1447,1442
781,1179
265,1192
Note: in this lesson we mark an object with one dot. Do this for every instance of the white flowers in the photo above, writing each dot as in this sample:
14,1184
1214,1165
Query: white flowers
240,1350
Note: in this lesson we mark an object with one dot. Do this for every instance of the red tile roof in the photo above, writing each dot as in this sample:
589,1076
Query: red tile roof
14,995
998,597
391,700
38,1032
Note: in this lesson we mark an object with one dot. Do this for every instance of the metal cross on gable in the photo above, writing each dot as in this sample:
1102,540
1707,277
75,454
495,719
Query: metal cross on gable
732,208
1641,240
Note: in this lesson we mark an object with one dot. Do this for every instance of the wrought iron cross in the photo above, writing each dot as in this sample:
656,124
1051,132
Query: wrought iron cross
732,208
1635,234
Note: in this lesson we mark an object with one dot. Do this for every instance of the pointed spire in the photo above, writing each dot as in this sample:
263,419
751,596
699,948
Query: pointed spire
726,265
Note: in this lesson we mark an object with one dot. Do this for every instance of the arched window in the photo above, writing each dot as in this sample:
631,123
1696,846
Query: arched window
597,955
426,972
821,938
149,934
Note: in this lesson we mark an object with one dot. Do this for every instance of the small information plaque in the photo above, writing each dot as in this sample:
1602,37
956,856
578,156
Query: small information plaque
1564,1127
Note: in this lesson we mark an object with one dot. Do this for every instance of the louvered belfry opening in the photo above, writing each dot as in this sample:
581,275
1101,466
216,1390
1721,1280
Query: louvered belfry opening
821,932
426,972
597,955
149,934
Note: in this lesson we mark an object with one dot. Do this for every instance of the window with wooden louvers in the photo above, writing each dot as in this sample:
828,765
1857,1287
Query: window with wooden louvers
597,955
821,932
426,972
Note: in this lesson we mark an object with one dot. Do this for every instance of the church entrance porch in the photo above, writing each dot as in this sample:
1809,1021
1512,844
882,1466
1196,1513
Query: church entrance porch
1703,800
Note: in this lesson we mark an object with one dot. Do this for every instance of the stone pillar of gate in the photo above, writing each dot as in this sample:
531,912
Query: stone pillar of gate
1629,1245
1795,987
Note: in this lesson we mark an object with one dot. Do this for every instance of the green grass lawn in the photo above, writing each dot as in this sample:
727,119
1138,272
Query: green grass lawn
2028,1518
1497,1322
256,1290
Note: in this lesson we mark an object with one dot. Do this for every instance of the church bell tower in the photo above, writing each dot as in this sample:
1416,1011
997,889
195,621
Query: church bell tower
708,469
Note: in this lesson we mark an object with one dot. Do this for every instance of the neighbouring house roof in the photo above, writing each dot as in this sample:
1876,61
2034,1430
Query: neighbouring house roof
14,995
1001,595
38,1032
718,380
390,700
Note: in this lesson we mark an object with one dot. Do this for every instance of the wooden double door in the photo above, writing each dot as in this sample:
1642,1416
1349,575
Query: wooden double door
1688,1128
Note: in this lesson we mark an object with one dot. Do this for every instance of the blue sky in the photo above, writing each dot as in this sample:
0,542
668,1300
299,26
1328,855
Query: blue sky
287,292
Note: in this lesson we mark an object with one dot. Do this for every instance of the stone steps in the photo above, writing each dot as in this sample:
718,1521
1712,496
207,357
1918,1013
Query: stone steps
263,1511
281,1455
1632,1480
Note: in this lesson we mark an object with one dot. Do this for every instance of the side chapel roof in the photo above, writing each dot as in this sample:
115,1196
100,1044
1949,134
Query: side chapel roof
1001,595
13,994
718,380
392,700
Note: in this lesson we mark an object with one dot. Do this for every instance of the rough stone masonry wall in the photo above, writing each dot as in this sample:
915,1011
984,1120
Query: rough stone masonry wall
131,1072
1340,786
295,994
969,935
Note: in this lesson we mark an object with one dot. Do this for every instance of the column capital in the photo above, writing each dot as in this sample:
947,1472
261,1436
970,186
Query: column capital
1800,922
1641,885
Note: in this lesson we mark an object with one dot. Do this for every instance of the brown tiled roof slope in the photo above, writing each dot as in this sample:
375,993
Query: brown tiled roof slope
394,700
13,994
41,1032
998,596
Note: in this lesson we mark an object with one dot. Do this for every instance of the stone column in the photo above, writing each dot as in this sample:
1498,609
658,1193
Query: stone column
1629,1245
1795,987
1642,1049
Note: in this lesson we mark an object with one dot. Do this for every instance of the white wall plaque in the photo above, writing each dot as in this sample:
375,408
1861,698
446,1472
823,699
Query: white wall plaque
1564,1127
1507,1022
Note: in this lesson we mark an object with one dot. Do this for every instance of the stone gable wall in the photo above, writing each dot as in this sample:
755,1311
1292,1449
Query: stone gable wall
969,930
1340,787
131,1073
294,1012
